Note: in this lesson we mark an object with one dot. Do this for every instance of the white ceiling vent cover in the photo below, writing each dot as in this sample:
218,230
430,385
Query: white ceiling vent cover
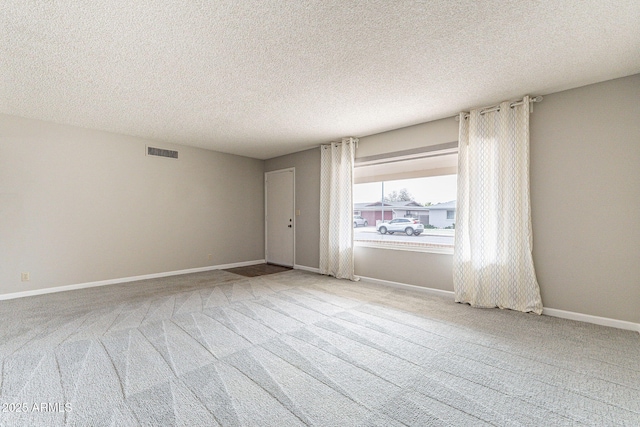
161,152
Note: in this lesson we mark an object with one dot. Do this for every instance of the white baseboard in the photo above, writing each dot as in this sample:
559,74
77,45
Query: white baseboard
126,279
399,285
603,321
305,268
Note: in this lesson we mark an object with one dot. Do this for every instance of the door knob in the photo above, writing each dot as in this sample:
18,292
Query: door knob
289,225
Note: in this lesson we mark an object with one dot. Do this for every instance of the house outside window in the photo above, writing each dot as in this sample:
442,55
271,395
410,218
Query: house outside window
442,215
419,185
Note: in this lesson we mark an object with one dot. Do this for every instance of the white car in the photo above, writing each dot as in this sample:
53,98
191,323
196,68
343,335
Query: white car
359,221
408,226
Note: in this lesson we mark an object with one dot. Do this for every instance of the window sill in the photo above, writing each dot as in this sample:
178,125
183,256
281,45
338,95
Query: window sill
402,246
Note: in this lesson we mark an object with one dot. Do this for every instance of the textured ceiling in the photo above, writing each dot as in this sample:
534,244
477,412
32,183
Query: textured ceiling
265,78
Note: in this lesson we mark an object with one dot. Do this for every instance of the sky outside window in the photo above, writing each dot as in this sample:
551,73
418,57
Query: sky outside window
435,189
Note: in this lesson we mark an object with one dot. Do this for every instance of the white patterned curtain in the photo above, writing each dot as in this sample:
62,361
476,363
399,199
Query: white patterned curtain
336,209
493,264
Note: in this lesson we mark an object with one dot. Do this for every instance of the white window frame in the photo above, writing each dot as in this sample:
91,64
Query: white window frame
431,151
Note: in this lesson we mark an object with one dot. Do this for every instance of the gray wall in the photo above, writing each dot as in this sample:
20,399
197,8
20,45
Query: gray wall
78,206
430,270
307,164
418,136
585,190
585,185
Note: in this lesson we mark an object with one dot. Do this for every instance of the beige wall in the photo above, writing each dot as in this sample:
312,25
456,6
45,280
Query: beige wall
585,187
78,206
307,164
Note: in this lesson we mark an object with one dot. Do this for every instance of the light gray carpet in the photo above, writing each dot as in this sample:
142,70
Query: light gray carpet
296,348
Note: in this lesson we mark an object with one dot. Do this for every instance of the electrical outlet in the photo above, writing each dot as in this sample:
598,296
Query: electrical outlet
24,277
210,257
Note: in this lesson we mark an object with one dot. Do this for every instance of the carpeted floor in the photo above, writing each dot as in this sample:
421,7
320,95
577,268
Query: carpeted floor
296,348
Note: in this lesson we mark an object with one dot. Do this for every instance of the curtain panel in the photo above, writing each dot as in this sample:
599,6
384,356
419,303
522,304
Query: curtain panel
493,263
336,209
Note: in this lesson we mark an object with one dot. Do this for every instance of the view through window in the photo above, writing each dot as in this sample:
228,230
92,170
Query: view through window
410,213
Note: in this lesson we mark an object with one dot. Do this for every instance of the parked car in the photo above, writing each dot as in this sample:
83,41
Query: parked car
359,221
404,225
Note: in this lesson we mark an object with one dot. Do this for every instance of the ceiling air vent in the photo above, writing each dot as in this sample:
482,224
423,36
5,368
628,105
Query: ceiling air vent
161,152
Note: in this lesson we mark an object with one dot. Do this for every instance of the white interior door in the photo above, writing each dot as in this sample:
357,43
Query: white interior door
279,217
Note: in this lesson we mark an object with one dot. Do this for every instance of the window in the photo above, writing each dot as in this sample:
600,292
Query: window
407,199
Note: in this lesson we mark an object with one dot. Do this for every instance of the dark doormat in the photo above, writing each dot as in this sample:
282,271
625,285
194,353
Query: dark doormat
258,270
